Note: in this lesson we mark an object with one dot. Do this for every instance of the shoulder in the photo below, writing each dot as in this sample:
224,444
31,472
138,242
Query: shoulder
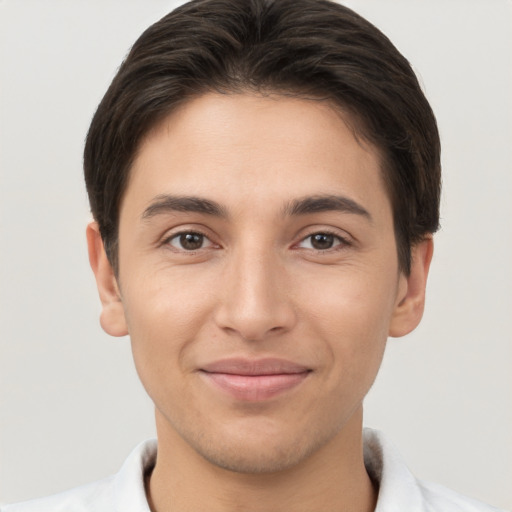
437,497
400,490
91,497
124,491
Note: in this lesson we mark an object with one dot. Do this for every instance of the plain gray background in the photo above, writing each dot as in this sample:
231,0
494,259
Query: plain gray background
71,407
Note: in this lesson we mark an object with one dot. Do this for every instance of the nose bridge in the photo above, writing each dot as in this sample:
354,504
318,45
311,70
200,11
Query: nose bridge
255,300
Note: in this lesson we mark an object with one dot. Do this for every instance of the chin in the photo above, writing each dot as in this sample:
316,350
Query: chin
255,459
260,450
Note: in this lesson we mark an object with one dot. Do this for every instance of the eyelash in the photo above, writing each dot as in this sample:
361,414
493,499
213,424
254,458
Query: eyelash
176,236
342,242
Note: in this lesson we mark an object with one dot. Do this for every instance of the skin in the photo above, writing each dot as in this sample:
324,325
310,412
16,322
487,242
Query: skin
257,285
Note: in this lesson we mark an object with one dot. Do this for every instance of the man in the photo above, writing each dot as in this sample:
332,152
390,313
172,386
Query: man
264,178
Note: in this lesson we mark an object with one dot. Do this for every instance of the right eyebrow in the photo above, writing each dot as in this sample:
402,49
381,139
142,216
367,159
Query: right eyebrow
325,203
165,203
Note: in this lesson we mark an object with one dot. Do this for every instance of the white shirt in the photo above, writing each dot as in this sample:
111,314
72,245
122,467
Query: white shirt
399,490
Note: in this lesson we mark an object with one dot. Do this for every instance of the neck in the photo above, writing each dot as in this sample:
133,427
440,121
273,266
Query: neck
333,478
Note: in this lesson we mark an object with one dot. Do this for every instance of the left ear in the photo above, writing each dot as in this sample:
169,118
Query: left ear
411,290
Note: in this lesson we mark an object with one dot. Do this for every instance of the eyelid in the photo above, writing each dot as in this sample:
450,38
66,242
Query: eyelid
344,240
181,230
177,237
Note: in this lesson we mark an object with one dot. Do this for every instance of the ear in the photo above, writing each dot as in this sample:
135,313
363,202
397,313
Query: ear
411,290
112,318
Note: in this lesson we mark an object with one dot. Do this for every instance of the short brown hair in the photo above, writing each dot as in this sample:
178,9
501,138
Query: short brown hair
314,48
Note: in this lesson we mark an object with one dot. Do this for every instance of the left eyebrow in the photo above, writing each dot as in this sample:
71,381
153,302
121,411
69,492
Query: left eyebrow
325,203
164,204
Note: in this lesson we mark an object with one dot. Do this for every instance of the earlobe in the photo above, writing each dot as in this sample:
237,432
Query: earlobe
112,318
411,291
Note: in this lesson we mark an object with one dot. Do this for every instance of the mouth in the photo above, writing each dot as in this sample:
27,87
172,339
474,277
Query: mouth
254,380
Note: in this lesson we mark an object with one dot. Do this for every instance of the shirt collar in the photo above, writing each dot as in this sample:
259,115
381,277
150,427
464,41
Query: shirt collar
129,491
398,488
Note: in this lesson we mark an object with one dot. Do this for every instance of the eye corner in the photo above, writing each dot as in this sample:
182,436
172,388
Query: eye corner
323,241
188,241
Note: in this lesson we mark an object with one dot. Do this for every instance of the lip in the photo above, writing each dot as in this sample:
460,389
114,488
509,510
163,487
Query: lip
254,380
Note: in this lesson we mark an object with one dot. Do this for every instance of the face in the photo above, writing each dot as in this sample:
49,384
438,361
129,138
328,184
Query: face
258,277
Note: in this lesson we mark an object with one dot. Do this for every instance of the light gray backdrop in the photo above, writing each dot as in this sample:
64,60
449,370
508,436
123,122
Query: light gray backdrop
71,407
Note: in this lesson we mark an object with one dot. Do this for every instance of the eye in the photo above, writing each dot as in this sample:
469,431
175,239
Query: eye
189,241
322,241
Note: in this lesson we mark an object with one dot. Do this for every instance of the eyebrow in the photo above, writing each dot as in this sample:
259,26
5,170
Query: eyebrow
325,203
164,204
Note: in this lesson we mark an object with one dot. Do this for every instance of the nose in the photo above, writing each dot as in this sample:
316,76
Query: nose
256,300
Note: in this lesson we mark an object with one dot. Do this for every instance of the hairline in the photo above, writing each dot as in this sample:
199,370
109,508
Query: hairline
348,115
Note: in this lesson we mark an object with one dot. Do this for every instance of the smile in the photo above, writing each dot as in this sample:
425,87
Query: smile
254,381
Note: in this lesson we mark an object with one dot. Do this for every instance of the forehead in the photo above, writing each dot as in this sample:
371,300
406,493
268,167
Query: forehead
247,148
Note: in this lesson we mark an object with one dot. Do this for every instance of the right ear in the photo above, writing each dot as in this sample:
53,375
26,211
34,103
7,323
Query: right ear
112,318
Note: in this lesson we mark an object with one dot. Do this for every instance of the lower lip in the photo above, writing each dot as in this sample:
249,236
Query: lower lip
255,388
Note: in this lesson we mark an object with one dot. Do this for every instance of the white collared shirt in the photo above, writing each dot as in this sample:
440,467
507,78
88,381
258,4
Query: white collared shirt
399,490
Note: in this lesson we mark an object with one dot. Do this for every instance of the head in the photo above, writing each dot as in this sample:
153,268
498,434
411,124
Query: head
308,48
264,178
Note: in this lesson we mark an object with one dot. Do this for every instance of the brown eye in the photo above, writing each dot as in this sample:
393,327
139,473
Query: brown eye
322,242
189,241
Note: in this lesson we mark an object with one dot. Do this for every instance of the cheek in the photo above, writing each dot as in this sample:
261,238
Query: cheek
351,312
351,299
167,300
164,314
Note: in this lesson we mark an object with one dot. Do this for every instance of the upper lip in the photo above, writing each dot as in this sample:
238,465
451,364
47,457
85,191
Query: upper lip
267,366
